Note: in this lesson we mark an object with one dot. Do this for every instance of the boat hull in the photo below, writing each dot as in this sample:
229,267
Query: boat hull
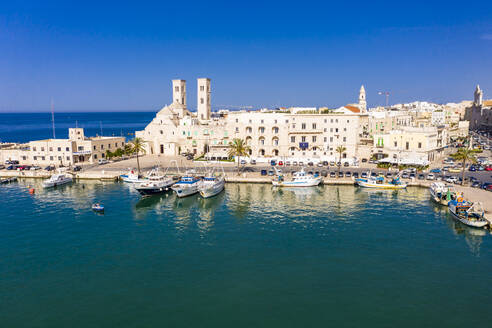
185,192
210,191
311,183
128,179
50,184
473,224
366,184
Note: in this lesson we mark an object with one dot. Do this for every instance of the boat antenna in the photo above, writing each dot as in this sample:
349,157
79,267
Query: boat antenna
53,118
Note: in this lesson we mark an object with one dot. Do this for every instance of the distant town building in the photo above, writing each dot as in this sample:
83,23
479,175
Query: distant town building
479,114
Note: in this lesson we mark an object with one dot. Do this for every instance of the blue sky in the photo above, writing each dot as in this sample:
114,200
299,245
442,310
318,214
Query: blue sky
111,56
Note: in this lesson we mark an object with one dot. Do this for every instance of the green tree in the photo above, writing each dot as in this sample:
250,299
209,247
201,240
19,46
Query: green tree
128,149
109,154
137,146
464,155
238,148
340,150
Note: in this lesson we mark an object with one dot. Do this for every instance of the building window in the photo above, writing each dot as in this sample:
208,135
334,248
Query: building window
51,158
326,120
51,148
202,88
331,139
314,138
42,148
59,158
262,130
95,156
331,129
336,130
325,139
331,121
262,122
42,158
344,139
396,144
67,149
102,146
420,145
33,148
35,158
201,101
275,130
314,126
407,145
94,147
303,126
237,121
345,129
292,139
303,139
59,148
237,129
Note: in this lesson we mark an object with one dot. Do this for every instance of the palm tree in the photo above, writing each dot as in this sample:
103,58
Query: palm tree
340,150
464,155
137,147
238,148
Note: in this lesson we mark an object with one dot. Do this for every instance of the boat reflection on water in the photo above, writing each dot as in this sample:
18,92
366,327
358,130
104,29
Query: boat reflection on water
473,236
207,209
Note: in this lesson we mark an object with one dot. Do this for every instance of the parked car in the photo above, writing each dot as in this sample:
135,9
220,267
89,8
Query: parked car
77,168
488,168
348,174
325,163
364,160
301,163
310,163
374,174
319,164
472,168
435,170
2,167
243,162
412,175
388,174
346,164
294,163
263,172
431,176
405,176
363,175
12,162
486,185
421,177
340,174
332,163
355,175
451,179
270,172
324,173
333,174
11,167
273,162
35,168
253,161
49,168
476,184
280,163
287,163
103,161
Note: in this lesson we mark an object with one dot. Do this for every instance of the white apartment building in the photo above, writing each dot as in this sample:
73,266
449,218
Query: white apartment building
76,149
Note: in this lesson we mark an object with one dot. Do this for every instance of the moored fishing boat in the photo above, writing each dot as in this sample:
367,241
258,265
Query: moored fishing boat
97,207
8,180
187,186
380,182
441,193
155,183
57,180
300,179
132,177
211,185
468,213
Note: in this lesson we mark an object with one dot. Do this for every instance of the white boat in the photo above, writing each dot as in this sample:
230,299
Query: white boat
441,193
300,179
466,213
154,183
379,182
211,186
57,180
187,186
132,177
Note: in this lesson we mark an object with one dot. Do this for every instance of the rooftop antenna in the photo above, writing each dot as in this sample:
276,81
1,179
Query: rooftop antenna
53,118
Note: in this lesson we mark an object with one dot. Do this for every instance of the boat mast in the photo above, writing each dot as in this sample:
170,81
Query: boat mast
53,118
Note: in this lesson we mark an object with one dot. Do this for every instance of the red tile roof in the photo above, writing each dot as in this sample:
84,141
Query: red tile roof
353,109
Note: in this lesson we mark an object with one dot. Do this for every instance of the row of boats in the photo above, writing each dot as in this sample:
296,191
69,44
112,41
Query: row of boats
469,213
209,185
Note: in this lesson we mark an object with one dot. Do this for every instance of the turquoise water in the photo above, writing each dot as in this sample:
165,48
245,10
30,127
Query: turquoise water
252,257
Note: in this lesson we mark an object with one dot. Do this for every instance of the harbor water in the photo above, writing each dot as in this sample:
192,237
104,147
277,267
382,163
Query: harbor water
251,257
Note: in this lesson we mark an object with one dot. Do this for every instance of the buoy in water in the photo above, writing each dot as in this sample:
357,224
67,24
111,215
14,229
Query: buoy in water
31,191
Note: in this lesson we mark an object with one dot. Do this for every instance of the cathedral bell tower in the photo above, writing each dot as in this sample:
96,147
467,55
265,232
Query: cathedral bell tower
362,100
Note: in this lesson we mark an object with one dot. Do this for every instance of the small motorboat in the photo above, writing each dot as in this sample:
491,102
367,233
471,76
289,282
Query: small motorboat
97,207
380,182
57,180
133,177
8,180
468,213
300,179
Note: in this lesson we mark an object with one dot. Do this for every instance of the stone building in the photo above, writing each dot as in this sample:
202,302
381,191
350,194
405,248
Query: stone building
480,112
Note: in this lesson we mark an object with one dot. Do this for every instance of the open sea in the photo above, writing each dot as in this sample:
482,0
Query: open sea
332,256
37,126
